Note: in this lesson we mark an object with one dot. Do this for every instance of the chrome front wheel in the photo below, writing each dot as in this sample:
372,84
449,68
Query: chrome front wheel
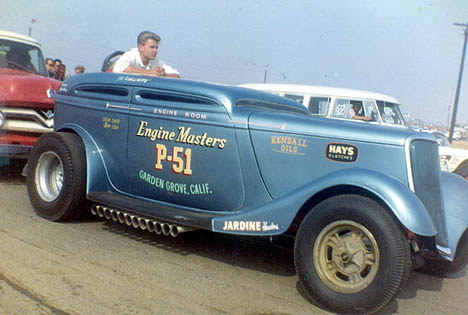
49,176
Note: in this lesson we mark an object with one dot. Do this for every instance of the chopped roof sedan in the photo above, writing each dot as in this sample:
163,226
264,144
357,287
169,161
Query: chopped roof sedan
362,203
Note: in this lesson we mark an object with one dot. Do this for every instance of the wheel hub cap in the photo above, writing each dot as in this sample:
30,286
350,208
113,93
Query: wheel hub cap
49,176
346,256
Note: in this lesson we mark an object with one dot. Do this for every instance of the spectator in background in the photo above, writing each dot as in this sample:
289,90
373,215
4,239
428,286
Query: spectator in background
59,70
57,63
79,69
49,63
143,60
60,74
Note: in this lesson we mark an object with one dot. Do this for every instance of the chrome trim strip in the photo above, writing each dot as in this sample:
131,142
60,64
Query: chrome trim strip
409,166
109,105
47,123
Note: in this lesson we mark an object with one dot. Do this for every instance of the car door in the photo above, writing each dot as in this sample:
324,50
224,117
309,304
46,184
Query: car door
105,110
182,150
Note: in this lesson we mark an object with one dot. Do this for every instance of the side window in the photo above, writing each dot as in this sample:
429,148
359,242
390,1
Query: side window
319,105
370,109
295,97
342,107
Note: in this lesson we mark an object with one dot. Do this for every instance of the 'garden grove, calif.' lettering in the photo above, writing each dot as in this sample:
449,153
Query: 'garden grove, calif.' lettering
183,135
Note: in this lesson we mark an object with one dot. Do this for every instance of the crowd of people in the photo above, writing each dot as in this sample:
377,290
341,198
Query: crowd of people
57,70
140,60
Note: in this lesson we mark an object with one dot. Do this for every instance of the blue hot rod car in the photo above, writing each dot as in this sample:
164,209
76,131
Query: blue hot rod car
363,204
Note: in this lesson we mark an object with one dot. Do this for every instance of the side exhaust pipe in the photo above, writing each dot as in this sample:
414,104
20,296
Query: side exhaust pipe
177,229
142,223
135,222
158,228
149,225
94,209
166,230
114,216
139,222
100,211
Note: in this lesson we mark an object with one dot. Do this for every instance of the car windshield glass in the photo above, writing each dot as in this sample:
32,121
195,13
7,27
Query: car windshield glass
21,56
390,113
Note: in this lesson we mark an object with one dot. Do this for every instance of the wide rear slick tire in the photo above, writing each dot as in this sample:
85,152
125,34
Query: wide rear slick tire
56,181
351,256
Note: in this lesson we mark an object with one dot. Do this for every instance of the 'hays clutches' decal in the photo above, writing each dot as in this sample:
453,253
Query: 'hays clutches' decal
341,152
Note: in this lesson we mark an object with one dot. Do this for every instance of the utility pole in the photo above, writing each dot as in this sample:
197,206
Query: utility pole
457,93
265,74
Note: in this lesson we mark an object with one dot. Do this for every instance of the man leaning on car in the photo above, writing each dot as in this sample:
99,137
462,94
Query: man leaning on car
143,60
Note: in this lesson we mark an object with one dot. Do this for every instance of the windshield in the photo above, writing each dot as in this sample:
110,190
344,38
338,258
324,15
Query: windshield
21,56
390,113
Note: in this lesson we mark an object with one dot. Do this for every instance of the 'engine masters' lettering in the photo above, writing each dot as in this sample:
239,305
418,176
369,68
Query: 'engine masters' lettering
183,135
341,152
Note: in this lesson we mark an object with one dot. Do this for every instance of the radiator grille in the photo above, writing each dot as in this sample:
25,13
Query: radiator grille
425,165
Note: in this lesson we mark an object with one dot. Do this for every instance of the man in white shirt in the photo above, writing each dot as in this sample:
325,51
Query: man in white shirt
357,112
142,60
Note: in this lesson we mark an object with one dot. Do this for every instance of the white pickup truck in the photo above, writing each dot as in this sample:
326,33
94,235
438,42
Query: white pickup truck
380,109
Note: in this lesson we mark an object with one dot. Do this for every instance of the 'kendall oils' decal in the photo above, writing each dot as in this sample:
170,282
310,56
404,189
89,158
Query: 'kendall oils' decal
290,145
341,152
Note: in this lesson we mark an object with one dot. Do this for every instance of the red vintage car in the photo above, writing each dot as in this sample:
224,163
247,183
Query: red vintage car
26,95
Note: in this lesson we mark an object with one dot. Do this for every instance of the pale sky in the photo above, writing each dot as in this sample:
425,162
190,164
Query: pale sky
408,49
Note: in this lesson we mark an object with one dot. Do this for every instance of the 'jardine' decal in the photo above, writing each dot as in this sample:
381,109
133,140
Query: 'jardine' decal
341,152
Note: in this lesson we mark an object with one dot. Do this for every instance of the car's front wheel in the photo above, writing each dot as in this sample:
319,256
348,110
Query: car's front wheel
56,179
351,257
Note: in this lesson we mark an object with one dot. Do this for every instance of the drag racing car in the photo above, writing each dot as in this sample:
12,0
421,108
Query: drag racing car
362,204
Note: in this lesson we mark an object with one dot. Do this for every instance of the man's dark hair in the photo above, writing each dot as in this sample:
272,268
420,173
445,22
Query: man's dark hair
145,35
58,61
49,59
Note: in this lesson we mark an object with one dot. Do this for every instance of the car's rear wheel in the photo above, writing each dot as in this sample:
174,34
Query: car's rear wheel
56,179
351,257
462,169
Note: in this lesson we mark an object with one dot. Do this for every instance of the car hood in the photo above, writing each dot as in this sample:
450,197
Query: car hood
20,88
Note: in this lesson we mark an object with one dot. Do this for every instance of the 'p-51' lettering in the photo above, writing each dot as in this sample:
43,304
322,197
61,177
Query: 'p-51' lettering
180,159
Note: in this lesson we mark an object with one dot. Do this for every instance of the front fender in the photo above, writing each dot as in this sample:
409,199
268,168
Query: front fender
279,213
455,197
96,171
